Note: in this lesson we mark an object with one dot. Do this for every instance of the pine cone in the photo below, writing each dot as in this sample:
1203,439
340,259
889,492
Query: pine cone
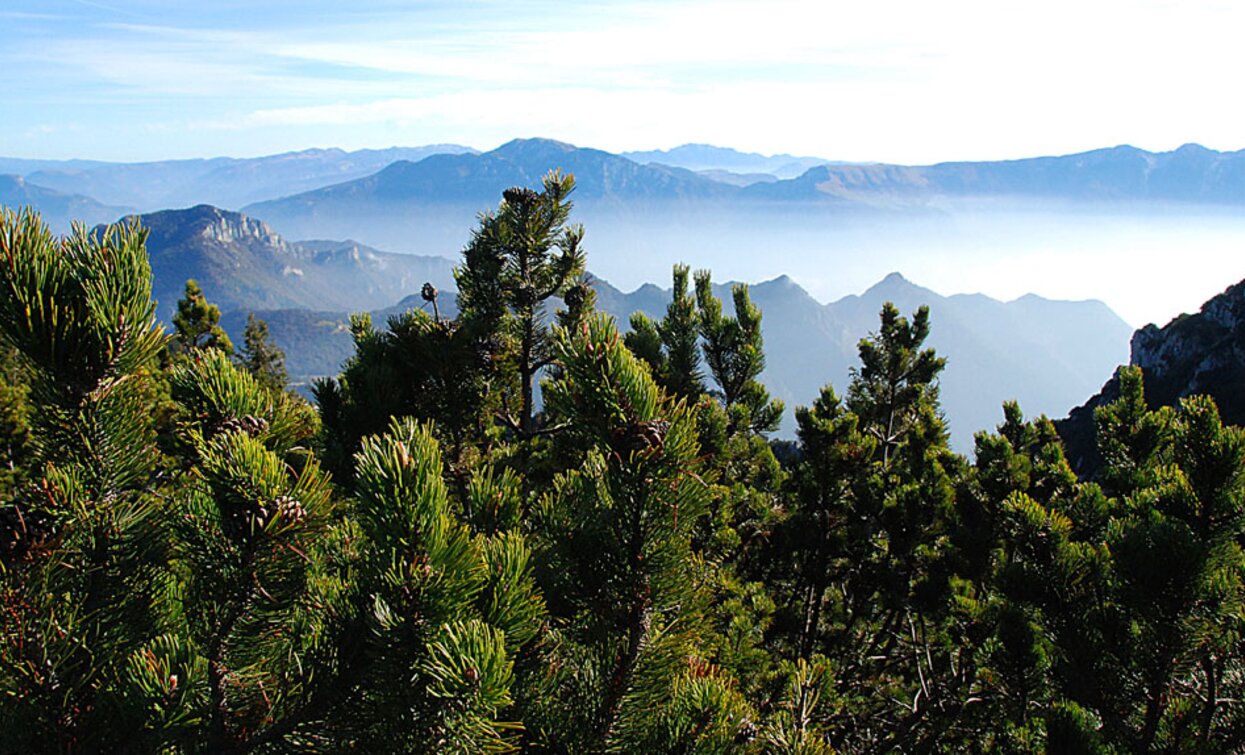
22,532
288,508
519,195
250,424
640,437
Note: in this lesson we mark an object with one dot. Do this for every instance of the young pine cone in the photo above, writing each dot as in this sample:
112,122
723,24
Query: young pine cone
641,436
21,532
250,424
288,508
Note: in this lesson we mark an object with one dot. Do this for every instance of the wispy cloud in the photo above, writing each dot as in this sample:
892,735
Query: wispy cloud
891,79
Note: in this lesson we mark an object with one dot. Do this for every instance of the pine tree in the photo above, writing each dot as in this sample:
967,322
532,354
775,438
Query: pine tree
79,565
617,566
14,423
870,537
421,367
257,590
519,257
442,613
196,325
261,357
733,350
672,346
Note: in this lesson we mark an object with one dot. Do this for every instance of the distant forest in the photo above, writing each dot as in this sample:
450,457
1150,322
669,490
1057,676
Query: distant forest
518,530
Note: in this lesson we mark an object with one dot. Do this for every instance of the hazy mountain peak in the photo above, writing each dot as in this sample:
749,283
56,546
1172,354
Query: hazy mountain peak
206,221
1193,148
892,285
534,145
701,157
58,209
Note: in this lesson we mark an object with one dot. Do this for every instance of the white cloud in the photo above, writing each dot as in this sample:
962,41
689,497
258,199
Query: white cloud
893,80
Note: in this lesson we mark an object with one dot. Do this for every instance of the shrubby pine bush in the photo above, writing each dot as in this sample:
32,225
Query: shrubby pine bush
427,559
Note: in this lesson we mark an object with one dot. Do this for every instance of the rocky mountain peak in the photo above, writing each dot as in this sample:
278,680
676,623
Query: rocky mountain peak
1194,354
229,227
208,223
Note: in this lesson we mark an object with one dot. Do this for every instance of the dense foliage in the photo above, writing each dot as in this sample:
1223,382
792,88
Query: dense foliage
436,558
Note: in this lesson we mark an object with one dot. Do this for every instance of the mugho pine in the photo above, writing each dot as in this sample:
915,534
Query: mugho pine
426,560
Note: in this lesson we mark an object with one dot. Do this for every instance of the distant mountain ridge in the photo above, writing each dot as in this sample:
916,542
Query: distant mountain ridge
430,206
59,210
222,181
706,157
1046,354
1191,173
427,206
1034,350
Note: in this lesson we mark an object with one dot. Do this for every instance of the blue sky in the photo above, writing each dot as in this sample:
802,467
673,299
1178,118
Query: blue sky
891,80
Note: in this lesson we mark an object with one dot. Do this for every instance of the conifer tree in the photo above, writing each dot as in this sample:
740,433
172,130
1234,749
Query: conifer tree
421,367
870,536
672,346
14,423
196,325
261,357
733,350
444,613
79,576
226,604
519,257
617,565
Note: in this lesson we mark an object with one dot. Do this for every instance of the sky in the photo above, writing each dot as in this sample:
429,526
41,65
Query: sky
908,81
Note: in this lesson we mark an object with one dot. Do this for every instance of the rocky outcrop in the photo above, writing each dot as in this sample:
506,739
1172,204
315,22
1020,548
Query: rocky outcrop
1200,353
242,264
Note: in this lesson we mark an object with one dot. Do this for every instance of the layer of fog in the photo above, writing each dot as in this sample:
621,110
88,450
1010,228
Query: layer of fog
1148,264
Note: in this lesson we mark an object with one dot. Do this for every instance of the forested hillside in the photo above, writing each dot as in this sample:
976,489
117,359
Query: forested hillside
193,559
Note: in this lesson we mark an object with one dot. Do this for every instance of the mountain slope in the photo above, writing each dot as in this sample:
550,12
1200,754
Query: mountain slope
242,264
59,210
1191,174
223,181
706,157
1034,350
430,206
866,217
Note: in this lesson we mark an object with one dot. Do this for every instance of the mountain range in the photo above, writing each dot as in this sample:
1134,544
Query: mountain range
423,199
724,162
222,181
835,227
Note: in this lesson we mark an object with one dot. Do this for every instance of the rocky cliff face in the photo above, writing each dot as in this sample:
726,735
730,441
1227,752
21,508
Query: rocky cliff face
242,264
1201,353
